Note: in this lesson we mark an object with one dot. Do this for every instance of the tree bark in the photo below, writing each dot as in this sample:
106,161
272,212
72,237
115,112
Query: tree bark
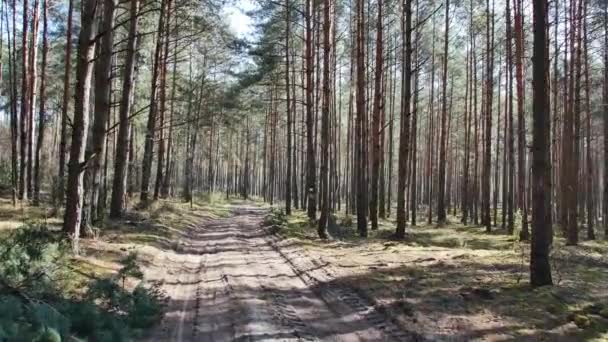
96,148
540,268
119,185
80,127
441,211
360,139
404,139
60,191
288,177
375,134
151,124
41,112
310,147
324,174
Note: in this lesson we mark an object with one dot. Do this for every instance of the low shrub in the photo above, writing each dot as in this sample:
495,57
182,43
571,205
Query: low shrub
34,306
276,220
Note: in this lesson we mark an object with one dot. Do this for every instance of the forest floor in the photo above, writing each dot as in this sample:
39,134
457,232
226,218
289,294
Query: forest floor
229,278
457,283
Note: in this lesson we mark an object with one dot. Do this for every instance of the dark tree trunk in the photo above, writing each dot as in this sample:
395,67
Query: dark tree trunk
324,174
80,127
96,149
404,139
375,134
119,185
64,109
311,187
540,268
151,125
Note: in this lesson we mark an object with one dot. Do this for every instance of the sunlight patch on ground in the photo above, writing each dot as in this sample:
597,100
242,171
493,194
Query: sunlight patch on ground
463,283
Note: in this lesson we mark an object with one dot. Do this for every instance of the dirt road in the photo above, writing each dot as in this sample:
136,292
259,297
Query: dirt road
228,281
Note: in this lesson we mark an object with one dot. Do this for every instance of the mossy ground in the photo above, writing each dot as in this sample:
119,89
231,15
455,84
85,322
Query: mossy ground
458,282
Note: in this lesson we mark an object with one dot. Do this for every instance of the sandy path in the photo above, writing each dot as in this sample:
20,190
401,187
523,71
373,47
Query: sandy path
229,282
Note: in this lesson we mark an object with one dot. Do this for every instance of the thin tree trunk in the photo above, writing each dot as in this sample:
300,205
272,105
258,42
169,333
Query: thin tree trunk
310,147
375,134
324,175
360,138
151,125
41,112
288,177
441,211
24,106
64,109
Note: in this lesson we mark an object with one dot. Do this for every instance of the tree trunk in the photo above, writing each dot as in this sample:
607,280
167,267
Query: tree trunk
119,185
441,212
64,109
151,125
41,113
487,161
521,120
288,177
324,175
24,106
310,148
404,139
375,134
96,149
360,138
540,268
80,126
605,100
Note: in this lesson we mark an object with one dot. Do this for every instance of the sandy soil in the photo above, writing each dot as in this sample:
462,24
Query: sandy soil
229,280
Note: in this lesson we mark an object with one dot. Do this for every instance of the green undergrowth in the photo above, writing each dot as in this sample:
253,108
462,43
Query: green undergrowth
43,297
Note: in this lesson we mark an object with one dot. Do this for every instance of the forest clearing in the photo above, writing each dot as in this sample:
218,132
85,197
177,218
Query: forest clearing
334,170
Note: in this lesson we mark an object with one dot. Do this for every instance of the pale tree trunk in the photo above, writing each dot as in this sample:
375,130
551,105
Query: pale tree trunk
13,107
441,211
32,75
24,110
288,178
41,112
487,161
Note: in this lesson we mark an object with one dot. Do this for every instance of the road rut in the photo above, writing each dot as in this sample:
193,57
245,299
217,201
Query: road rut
228,281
